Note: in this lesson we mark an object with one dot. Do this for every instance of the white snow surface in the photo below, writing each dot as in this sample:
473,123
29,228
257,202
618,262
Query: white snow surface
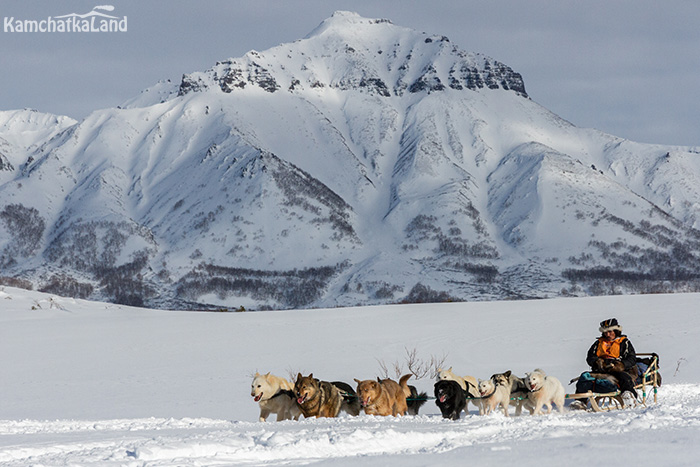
87,383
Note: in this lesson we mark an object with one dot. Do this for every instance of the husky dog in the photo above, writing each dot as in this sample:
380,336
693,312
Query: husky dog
384,396
518,392
494,391
274,395
317,398
415,401
469,385
351,403
450,398
544,390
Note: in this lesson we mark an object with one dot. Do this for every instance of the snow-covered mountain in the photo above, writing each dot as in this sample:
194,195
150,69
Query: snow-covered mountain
366,163
21,131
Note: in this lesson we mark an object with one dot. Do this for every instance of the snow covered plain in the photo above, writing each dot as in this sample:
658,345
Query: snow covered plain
85,383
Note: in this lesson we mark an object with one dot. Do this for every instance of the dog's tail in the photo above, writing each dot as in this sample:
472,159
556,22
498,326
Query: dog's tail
416,401
472,391
403,382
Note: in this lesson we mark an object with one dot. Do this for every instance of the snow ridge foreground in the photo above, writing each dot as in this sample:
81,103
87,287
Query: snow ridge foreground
650,434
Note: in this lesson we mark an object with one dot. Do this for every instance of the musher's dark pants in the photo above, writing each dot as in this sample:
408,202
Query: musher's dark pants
625,379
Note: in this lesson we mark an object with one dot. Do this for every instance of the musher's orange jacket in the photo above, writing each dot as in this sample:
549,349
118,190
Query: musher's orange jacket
620,348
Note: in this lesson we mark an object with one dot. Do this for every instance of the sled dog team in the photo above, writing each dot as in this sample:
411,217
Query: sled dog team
311,397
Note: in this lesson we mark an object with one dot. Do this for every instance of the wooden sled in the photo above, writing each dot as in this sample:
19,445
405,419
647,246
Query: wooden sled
602,402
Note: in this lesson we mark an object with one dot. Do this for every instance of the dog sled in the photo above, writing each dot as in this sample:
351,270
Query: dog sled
647,384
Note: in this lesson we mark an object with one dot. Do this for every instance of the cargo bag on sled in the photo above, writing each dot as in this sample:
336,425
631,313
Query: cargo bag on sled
587,382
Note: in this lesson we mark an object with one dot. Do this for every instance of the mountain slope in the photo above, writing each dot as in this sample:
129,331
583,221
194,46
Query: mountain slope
366,163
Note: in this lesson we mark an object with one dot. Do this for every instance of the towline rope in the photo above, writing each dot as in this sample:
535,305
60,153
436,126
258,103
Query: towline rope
427,398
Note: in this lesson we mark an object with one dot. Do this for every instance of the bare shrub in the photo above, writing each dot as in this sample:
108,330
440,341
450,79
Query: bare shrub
418,367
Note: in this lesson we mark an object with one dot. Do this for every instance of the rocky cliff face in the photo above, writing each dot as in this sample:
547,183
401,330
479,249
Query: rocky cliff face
366,163
348,52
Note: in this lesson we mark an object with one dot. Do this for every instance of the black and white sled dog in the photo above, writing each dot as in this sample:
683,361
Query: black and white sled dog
518,392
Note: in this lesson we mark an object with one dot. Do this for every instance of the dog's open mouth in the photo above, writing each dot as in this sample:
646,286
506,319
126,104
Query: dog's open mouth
443,397
301,400
258,397
364,402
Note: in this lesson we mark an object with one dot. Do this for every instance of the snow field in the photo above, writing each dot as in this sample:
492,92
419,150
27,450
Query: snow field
674,420
89,383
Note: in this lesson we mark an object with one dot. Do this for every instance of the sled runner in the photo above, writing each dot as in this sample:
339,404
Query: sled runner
604,400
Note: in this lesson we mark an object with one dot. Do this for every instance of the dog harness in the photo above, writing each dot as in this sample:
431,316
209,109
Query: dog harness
609,349
286,392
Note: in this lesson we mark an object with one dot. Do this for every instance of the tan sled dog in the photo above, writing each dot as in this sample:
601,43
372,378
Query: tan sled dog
274,395
384,396
468,383
494,391
544,390
317,398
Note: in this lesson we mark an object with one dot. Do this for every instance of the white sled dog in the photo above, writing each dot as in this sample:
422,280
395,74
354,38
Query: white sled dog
468,383
544,390
274,395
494,391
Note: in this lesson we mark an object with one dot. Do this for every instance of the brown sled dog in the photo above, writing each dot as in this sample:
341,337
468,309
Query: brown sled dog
384,396
317,398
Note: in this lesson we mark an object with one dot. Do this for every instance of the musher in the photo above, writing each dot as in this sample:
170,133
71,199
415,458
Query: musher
613,353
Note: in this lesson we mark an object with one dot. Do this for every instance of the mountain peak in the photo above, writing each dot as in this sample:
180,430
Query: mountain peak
344,21
348,52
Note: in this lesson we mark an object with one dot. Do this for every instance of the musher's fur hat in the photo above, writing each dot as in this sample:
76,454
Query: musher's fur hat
610,325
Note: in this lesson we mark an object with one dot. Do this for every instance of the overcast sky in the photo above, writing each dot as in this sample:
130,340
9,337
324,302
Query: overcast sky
629,68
